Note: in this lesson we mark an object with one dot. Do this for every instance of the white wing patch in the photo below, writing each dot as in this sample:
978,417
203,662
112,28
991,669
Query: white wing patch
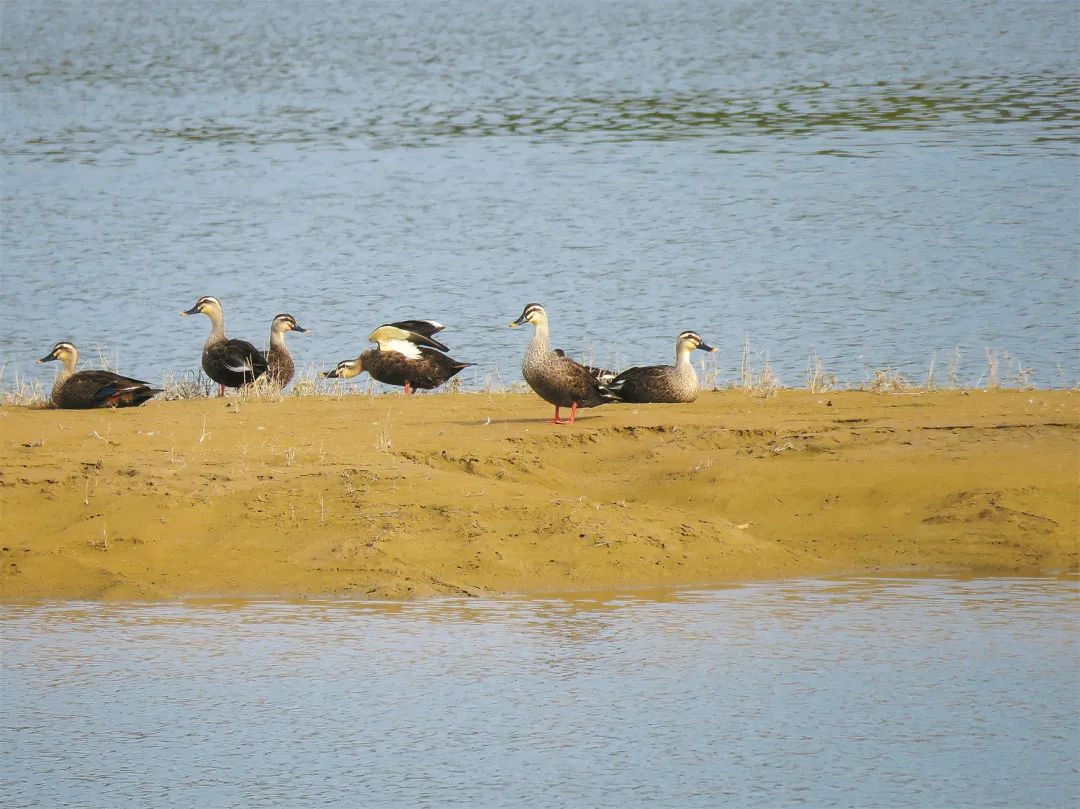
239,368
410,350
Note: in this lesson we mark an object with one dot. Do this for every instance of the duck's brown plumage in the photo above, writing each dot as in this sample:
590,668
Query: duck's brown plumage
676,383
280,367
431,370
233,363
407,356
85,390
230,363
554,377
603,375
89,389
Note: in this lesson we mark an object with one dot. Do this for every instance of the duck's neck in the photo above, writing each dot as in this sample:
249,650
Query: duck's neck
541,341
66,372
217,328
277,339
682,358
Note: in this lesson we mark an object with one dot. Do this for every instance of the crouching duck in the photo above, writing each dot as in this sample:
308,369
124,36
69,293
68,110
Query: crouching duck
663,383
554,377
407,355
230,363
279,362
84,390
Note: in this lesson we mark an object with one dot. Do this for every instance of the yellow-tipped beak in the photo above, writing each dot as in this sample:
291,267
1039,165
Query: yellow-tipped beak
513,325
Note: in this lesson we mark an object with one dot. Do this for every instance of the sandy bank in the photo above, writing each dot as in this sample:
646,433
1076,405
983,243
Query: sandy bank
390,496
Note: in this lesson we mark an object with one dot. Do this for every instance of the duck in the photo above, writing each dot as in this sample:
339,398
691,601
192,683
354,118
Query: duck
230,363
408,356
664,383
84,390
554,377
279,362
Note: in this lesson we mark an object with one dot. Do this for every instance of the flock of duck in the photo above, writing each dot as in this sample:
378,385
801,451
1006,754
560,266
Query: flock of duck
407,355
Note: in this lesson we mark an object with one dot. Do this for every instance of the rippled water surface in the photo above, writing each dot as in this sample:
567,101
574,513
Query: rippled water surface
861,692
874,180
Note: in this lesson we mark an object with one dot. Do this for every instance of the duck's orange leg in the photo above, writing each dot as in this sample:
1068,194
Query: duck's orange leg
557,420
408,388
221,391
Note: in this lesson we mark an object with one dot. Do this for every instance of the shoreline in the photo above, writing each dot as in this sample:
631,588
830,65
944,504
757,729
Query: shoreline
389,497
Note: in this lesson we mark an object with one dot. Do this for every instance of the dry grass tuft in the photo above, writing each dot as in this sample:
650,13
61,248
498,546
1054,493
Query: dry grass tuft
25,393
761,383
307,382
952,378
710,372
890,380
817,381
1005,368
382,434
187,385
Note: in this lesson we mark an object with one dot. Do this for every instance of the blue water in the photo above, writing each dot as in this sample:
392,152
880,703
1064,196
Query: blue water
868,692
873,181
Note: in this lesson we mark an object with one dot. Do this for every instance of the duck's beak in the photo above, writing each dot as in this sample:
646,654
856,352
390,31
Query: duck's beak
194,310
301,329
49,358
519,321
707,347
330,374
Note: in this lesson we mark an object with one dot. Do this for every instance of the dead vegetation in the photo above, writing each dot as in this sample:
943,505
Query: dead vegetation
756,378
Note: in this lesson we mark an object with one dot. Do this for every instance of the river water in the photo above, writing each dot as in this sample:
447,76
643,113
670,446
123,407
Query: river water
878,182
868,692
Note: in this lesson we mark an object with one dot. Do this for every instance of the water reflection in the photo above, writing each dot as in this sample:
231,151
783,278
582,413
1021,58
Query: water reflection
871,692
1050,100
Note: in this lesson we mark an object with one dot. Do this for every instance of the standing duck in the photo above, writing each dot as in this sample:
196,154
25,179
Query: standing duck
279,361
230,363
408,355
89,389
663,383
555,377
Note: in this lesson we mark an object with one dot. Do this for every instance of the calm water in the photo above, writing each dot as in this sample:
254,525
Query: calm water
867,692
878,181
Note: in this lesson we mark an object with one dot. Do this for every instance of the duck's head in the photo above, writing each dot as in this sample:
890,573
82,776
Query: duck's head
689,340
284,323
346,369
65,352
206,305
533,313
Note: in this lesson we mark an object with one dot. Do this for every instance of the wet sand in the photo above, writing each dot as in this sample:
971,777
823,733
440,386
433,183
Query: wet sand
397,497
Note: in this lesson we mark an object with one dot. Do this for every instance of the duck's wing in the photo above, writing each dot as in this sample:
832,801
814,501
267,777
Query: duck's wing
444,362
643,381
392,337
241,357
427,328
580,380
109,388
603,375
